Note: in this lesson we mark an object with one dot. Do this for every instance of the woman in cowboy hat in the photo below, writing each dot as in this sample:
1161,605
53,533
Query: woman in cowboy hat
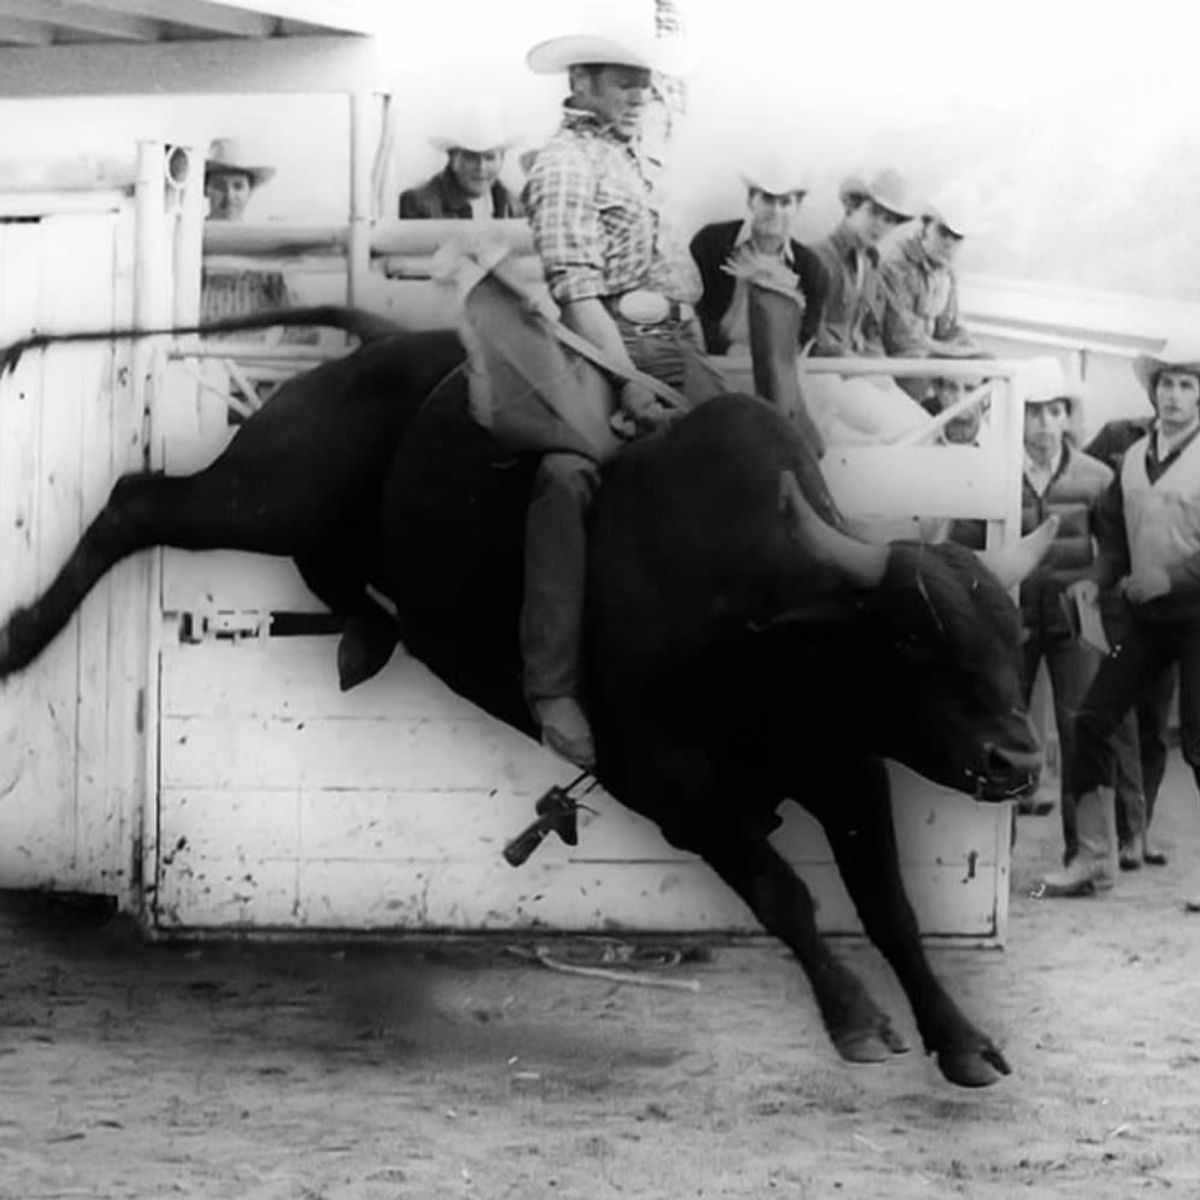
763,238
468,187
1149,534
229,179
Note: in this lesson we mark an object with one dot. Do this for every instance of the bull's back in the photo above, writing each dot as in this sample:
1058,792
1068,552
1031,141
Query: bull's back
324,443
689,536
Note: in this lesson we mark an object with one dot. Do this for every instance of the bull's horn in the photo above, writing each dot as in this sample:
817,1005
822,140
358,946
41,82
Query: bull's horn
1010,564
862,564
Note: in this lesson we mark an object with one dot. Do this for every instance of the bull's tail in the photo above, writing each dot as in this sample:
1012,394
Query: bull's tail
366,326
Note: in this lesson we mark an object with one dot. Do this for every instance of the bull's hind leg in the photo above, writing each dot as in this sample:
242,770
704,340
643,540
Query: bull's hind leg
860,1030
370,634
857,817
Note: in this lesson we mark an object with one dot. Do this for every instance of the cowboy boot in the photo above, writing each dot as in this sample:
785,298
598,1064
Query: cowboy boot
1094,868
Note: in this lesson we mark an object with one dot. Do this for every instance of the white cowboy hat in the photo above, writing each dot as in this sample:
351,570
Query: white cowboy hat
772,175
1046,381
616,48
887,188
1179,354
227,154
956,209
477,130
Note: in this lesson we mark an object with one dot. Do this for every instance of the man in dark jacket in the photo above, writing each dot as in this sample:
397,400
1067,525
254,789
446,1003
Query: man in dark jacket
1138,773
468,187
763,239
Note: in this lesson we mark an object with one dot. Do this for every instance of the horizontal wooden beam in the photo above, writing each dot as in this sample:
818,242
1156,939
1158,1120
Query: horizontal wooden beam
299,65
395,237
341,16
214,19
18,32
84,18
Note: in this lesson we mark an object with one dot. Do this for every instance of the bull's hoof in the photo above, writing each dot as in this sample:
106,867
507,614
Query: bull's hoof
364,650
975,1068
872,1045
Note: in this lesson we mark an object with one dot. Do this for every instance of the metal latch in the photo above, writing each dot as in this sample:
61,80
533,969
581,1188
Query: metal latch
206,625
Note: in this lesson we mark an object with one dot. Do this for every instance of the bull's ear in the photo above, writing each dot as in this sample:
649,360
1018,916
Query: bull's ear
1011,564
863,565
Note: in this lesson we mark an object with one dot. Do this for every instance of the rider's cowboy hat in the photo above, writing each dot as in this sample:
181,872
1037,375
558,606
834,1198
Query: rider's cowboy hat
621,48
887,188
478,130
1047,381
1179,354
228,155
773,176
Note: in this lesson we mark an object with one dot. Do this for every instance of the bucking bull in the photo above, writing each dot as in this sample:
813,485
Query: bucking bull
743,649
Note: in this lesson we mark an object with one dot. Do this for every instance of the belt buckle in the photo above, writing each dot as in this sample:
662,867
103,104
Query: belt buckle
644,307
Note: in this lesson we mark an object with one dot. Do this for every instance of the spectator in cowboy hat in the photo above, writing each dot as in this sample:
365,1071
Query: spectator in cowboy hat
853,319
860,408
1149,537
230,178
468,187
921,317
625,284
762,240
1058,480
1139,772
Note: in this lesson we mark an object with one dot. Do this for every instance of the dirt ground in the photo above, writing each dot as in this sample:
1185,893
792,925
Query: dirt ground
325,1072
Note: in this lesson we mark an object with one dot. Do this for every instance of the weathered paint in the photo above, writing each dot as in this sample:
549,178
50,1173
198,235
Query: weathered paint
69,748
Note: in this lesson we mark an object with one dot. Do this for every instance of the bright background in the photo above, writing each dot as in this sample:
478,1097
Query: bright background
1078,124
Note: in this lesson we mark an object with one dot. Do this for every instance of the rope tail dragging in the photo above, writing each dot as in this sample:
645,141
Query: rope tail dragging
361,324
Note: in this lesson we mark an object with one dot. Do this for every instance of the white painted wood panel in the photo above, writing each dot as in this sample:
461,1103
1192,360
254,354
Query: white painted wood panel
64,424
285,803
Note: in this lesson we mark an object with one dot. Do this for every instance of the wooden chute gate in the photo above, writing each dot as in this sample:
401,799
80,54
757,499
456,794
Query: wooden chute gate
173,750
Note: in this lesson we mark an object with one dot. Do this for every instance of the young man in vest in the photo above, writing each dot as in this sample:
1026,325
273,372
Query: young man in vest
1148,528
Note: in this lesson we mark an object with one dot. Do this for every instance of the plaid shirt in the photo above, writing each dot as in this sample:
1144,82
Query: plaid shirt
594,220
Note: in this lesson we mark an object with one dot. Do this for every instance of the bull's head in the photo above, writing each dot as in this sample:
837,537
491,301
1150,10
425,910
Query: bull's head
938,660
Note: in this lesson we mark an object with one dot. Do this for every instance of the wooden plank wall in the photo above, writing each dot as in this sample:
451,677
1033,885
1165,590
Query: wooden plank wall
69,749
284,804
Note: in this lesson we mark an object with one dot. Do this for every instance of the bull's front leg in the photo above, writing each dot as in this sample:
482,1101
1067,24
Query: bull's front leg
860,1030
857,816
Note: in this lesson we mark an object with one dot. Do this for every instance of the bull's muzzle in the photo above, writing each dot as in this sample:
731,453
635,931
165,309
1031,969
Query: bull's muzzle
1008,771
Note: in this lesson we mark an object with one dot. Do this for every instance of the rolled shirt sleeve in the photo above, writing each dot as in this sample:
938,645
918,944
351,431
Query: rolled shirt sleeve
562,200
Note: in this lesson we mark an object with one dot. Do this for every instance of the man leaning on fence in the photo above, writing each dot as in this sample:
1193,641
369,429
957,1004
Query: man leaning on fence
468,187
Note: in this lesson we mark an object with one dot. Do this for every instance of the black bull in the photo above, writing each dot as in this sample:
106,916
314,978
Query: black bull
742,649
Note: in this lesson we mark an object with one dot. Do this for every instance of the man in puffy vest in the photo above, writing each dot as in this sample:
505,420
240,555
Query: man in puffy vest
1148,527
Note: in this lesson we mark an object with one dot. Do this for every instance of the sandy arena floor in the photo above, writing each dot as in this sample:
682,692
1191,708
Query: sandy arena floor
319,1072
